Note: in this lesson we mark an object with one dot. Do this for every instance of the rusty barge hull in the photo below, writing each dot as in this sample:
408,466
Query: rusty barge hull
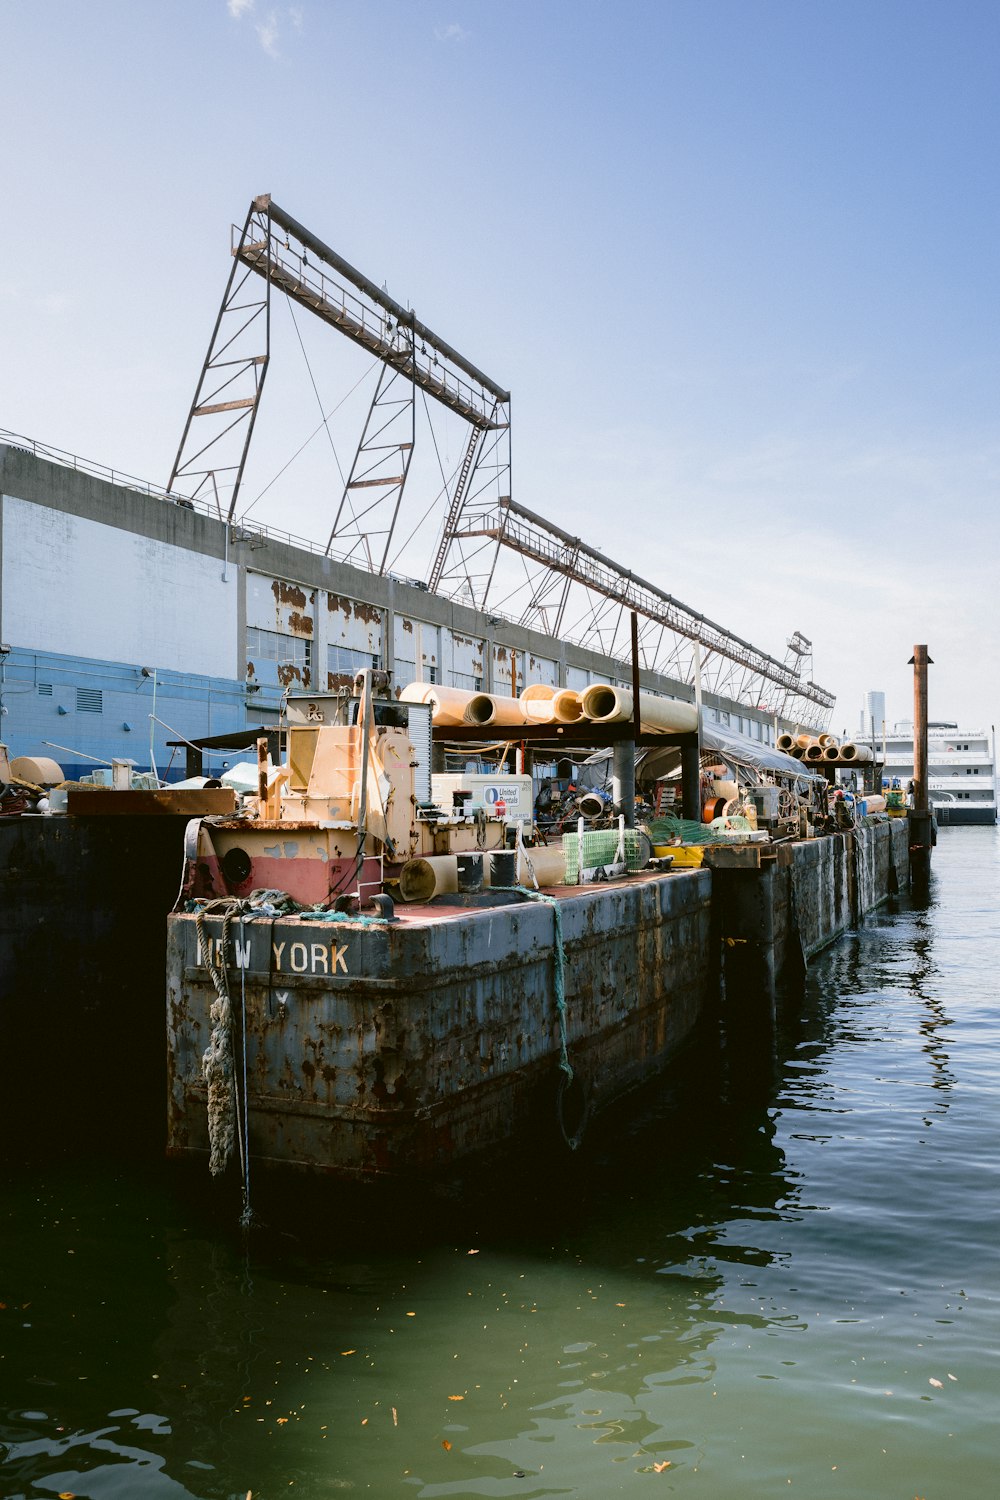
399,1049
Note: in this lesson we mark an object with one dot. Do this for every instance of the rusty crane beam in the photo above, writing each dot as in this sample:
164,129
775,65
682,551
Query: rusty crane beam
566,557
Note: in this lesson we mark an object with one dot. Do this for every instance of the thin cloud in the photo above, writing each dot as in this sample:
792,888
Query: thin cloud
267,33
451,33
295,16
239,8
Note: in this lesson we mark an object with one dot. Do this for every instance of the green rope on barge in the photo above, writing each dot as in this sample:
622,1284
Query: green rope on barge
356,918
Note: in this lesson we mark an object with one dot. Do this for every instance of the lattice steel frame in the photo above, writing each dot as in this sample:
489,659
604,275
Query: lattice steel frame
579,593
277,247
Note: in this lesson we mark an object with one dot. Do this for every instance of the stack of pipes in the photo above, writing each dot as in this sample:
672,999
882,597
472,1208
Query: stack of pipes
541,703
824,747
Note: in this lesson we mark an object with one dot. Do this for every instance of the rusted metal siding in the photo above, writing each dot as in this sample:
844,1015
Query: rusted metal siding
383,1051
464,656
519,668
281,632
352,636
276,604
532,668
416,651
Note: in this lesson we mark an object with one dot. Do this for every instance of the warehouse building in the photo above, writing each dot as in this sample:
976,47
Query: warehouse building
129,619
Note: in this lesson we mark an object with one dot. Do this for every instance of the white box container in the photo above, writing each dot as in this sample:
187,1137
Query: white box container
510,796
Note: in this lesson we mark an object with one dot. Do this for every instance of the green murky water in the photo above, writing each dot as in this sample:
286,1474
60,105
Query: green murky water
782,1279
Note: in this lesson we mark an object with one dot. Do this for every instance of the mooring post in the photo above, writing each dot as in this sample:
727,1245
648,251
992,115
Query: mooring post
623,754
921,815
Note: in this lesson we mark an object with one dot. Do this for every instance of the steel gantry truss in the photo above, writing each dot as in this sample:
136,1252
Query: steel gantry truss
570,589
213,450
579,593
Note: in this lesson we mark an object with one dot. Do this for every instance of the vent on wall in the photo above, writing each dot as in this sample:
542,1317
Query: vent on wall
89,700
45,689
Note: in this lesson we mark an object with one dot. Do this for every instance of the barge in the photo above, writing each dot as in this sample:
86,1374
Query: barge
361,1037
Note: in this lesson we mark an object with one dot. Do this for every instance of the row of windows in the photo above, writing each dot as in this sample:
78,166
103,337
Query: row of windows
271,645
345,661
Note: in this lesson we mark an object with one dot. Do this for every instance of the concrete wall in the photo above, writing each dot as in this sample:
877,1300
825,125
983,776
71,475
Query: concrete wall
80,587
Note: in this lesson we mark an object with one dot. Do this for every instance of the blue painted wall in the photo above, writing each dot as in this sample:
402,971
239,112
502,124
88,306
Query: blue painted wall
102,709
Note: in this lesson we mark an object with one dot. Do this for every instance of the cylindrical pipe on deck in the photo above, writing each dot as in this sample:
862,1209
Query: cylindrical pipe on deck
623,780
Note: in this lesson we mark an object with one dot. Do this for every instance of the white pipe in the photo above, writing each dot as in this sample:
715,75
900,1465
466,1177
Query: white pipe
567,706
548,862
420,879
537,700
611,705
487,708
448,704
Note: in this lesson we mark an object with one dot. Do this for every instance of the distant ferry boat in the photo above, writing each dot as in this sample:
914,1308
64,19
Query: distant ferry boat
961,770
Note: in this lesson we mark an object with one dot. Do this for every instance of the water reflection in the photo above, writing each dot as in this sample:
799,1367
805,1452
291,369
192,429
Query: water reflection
638,1313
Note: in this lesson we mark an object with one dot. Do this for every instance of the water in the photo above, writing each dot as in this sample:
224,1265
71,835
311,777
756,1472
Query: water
783,1280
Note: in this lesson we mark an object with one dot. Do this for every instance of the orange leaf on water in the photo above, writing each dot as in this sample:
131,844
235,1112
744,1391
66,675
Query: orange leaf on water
456,1398
659,1468
446,1445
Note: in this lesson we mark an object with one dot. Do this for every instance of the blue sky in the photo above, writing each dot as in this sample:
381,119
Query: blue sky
737,263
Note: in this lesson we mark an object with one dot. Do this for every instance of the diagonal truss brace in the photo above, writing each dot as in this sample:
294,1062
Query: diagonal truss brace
288,257
747,671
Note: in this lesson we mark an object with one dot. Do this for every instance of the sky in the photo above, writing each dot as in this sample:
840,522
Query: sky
736,261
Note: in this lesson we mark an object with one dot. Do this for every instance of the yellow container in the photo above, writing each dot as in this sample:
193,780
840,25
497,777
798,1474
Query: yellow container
689,855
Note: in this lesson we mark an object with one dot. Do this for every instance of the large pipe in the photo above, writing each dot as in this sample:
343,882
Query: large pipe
448,704
486,708
420,879
814,752
831,752
547,861
567,706
857,754
611,705
785,741
537,701
623,779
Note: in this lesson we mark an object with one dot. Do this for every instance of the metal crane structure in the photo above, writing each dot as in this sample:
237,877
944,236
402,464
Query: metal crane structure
212,455
569,589
578,593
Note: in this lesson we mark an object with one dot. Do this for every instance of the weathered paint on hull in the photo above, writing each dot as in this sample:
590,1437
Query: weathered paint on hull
384,1051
